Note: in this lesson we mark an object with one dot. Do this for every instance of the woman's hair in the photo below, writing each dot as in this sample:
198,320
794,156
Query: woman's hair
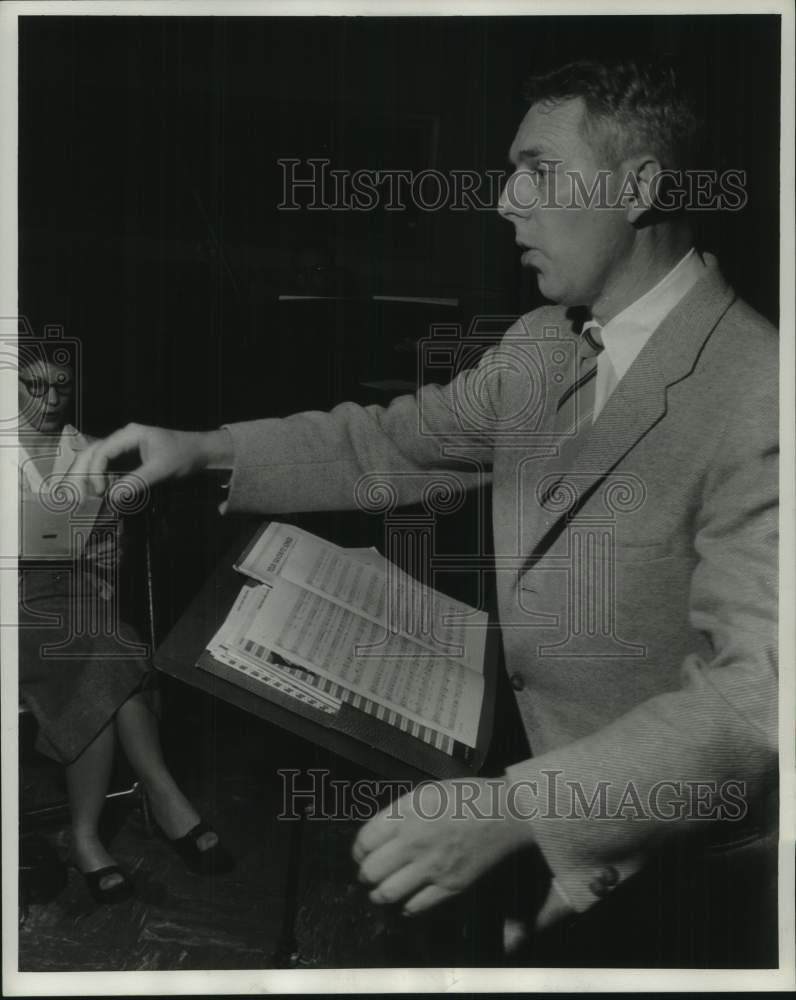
36,351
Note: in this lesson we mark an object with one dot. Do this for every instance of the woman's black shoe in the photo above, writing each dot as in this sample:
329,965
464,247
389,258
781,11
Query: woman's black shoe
213,860
115,893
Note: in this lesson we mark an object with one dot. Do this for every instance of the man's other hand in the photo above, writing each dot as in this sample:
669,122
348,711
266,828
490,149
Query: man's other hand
437,841
163,455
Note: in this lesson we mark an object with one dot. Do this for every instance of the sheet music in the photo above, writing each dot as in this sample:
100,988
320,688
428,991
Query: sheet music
231,647
228,646
363,656
372,587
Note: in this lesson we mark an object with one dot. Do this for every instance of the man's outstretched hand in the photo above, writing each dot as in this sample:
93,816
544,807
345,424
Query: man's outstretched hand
437,841
163,455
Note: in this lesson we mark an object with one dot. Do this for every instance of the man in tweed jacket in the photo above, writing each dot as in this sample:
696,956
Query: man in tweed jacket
635,542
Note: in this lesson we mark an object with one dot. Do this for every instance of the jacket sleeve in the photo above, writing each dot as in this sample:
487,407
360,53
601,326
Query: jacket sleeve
316,461
718,730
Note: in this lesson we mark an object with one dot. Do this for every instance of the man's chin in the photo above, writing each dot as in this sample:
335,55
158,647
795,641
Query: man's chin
558,293
548,288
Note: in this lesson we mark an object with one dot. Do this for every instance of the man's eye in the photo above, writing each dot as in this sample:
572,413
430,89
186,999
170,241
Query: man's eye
538,172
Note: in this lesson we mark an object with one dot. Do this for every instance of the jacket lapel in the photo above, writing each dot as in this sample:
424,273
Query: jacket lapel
635,406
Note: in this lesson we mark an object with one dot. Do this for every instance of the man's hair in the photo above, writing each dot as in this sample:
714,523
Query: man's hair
631,107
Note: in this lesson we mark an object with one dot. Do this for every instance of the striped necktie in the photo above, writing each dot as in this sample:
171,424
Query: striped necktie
575,408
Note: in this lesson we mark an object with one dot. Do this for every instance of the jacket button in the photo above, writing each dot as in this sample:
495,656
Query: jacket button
604,881
517,682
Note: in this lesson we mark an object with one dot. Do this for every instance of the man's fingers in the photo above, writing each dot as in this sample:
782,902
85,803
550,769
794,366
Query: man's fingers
86,468
91,463
405,882
87,471
373,834
129,488
78,470
383,861
121,442
432,895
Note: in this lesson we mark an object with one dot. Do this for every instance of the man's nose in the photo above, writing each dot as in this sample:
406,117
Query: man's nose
515,198
52,396
503,201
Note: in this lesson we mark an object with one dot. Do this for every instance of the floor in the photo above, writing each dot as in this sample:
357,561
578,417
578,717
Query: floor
228,764
178,920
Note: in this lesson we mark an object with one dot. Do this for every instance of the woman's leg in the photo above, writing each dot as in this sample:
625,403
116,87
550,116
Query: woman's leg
138,733
87,779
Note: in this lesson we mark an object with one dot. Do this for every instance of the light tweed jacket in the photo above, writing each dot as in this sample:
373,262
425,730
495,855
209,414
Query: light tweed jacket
636,564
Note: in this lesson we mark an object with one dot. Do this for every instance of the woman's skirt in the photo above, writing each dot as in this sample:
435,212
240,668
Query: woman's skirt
78,662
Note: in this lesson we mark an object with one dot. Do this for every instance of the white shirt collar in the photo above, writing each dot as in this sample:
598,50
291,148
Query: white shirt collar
626,334
63,452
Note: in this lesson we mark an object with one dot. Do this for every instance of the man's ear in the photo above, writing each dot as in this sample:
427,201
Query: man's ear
638,185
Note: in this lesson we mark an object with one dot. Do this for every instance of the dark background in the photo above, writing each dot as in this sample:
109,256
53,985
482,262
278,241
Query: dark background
149,187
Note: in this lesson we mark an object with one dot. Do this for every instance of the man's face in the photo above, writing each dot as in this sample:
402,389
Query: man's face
44,395
571,243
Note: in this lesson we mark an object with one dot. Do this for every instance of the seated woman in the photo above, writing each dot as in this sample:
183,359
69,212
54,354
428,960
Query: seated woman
97,686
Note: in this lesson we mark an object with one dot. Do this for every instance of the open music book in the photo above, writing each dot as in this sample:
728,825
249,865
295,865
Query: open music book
329,626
